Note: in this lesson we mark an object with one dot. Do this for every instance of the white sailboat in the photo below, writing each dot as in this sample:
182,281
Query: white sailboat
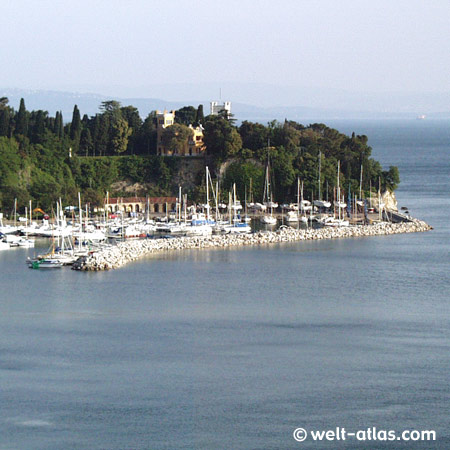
321,203
268,219
292,216
201,223
235,225
337,221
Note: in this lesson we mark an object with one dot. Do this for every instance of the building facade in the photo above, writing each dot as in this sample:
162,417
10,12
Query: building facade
140,204
216,108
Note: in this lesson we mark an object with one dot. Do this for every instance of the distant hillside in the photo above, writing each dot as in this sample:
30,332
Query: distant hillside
87,103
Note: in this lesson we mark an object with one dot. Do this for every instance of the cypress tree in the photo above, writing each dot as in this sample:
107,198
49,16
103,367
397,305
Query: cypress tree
85,121
102,135
199,117
22,119
94,131
56,124
86,144
38,129
61,126
4,122
75,127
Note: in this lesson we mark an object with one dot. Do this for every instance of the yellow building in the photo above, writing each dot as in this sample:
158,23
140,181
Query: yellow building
194,146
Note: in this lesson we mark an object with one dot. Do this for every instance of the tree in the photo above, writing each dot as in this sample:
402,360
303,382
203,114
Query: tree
245,174
120,134
4,122
75,127
175,138
221,138
390,178
86,144
254,135
145,143
199,117
186,115
4,116
101,140
110,107
131,115
38,128
22,119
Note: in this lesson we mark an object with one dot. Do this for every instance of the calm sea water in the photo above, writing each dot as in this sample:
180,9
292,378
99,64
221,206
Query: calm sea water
224,349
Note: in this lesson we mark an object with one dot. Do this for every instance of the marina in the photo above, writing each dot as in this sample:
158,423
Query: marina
103,245
291,333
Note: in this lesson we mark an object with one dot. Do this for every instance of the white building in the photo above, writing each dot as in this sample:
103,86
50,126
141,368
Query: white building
216,107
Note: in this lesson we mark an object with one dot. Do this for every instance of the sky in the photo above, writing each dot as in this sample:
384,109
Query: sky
138,47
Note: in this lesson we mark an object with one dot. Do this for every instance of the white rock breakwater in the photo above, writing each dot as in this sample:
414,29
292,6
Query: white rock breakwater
124,252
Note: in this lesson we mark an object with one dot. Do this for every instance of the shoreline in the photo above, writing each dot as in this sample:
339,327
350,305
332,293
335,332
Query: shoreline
128,251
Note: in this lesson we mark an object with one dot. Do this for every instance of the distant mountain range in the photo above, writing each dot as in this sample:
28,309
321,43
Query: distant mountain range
371,106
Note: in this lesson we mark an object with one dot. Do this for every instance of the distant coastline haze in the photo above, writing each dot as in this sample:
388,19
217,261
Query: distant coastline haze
349,56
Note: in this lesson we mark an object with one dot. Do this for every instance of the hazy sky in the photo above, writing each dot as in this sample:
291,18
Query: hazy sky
379,45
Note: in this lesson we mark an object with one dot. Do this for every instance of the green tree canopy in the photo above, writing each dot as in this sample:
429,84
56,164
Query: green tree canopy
175,138
22,119
121,131
186,115
221,138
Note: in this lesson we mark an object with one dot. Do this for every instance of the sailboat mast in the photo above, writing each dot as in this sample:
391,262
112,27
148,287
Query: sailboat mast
360,183
320,169
234,201
179,204
339,190
217,201
80,212
245,201
207,195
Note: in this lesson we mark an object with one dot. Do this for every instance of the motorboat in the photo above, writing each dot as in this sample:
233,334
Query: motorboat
291,216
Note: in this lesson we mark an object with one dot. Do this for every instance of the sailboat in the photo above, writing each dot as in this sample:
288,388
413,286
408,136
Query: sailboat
321,203
337,221
268,219
235,225
292,216
201,223
25,242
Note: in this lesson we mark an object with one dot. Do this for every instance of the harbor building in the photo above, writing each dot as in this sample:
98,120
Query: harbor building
216,108
140,204
194,145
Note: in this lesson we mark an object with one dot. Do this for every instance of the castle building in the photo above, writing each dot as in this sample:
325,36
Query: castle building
194,145
216,108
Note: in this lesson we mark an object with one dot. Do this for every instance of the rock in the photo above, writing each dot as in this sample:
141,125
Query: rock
124,252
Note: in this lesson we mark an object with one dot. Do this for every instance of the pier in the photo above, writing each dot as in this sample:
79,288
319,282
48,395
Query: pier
126,251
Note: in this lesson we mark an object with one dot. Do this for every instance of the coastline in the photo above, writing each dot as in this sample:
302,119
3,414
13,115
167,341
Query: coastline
128,251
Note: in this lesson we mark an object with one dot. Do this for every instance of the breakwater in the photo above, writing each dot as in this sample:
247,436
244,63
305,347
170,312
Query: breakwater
116,256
